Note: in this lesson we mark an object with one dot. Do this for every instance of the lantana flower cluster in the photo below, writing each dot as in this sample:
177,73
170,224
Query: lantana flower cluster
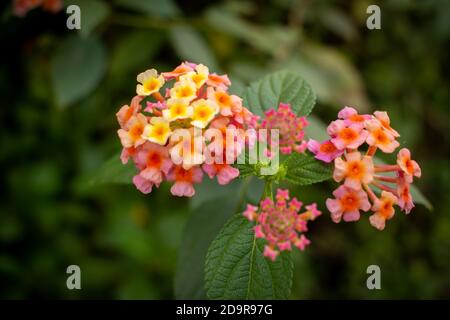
167,139
280,223
166,132
290,129
366,185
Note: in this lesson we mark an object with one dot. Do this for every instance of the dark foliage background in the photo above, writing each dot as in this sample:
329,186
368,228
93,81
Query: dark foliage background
60,90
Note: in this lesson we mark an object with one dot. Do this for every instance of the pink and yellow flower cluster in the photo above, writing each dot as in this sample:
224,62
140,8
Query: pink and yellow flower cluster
361,178
167,139
280,223
290,128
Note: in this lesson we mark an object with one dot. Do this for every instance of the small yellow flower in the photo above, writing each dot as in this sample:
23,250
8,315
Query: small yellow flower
158,131
204,112
184,89
150,82
199,77
177,109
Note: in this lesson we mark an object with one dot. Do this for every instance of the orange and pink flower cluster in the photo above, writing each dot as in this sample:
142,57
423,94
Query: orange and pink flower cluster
280,223
167,139
366,185
290,128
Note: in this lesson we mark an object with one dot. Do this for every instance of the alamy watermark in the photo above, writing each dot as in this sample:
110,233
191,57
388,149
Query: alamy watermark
194,146
374,280
374,20
74,280
74,20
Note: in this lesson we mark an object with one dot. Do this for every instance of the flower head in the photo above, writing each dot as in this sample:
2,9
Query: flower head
198,77
364,180
291,128
251,212
131,134
325,151
167,138
356,170
218,81
351,116
150,82
280,223
185,89
409,167
383,209
184,180
380,137
177,109
183,68
204,112
158,131
346,136
383,117
224,172
143,185
154,162
127,112
347,204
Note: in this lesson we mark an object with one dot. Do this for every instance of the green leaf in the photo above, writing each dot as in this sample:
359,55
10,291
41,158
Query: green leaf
303,169
210,189
93,12
134,51
332,76
76,69
316,129
113,171
211,207
419,197
236,268
272,39
203,225
158,8
267,93
281,86
190,45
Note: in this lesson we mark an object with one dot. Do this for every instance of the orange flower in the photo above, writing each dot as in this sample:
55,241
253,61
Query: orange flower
346,136
356,170
347,204
214,80
131,135
409,167
184,180
153,161
383,210
393,180
183,68
126,112
379,137
383,117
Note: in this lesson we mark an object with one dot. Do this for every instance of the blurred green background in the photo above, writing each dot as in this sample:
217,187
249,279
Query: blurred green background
60,90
